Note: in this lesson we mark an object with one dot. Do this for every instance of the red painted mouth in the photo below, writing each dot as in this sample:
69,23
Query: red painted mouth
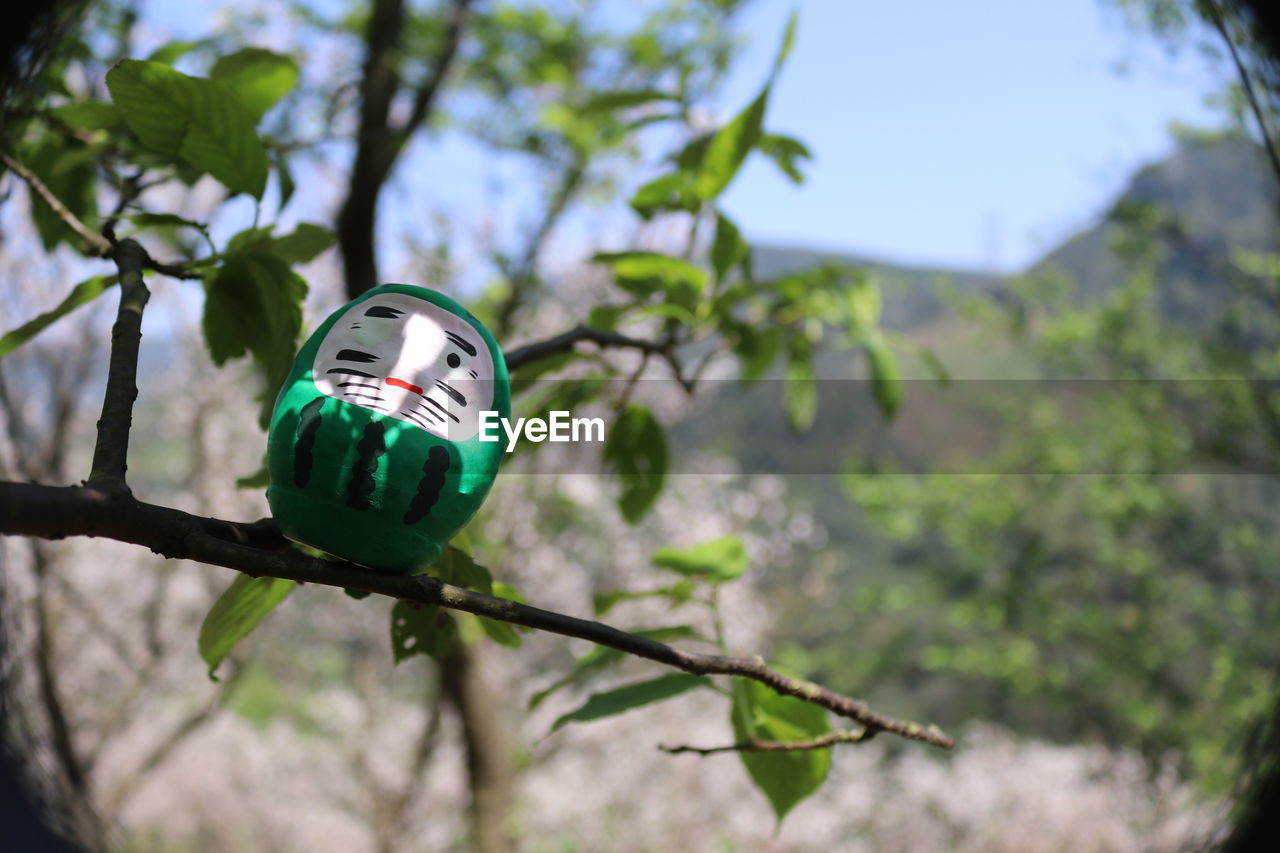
400,383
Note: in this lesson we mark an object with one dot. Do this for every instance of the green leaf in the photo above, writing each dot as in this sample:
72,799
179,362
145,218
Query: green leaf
194,119
636,450
236,613
728,148
645,273
259,479
786,778
636,695
258,78
673,191
800,390
66,167
607,102
90,115
600,657
84,292
717,561
728,249
173,51
253,304
678,593
304,243
287,184
786,152
757,349
788,42
864,305
886,378
421,631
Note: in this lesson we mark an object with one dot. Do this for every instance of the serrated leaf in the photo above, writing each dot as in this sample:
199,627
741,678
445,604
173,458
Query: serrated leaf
191,118
287,184
728,149
173,51
607,102
786,152
84,292
257,77
601,657
240,608
636,451
786,778
672,191
644,273
259,479
788,42
90,115
717,561
864,305
66,167
757,350
253,304
800,391
886,378
421,631
609,703
304,243
678,593
728,248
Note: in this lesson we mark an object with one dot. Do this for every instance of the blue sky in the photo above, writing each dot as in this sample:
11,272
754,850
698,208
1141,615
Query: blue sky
970,134
975,135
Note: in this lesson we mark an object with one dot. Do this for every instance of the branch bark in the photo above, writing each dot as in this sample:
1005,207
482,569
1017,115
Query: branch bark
110,454
378,144
1219,20
31,509
756,745
565,342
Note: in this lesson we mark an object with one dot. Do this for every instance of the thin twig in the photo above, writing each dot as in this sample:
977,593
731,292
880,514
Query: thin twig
96,243
110,454
756,745
1246,81
565,341
30,509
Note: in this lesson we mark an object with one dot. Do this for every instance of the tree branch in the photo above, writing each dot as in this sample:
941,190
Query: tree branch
377,144
565,341
425,99
96,243
110,454
29,509
756,745
1246,81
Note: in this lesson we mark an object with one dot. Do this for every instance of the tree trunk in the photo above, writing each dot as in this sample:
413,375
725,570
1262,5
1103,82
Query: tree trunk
489,751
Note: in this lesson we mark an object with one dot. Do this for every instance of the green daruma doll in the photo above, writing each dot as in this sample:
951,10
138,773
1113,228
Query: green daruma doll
374,449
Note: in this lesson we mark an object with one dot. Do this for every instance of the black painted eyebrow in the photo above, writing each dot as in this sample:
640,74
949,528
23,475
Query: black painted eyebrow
346,371
383,311
462,344
443,409
417,418
356,355
452,392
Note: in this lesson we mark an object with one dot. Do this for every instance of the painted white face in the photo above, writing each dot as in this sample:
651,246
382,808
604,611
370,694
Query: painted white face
411,360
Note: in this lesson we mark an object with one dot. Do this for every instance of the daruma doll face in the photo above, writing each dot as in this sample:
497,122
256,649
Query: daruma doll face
411,360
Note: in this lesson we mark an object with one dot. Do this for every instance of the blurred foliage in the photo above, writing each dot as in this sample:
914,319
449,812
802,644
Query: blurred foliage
1112,573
